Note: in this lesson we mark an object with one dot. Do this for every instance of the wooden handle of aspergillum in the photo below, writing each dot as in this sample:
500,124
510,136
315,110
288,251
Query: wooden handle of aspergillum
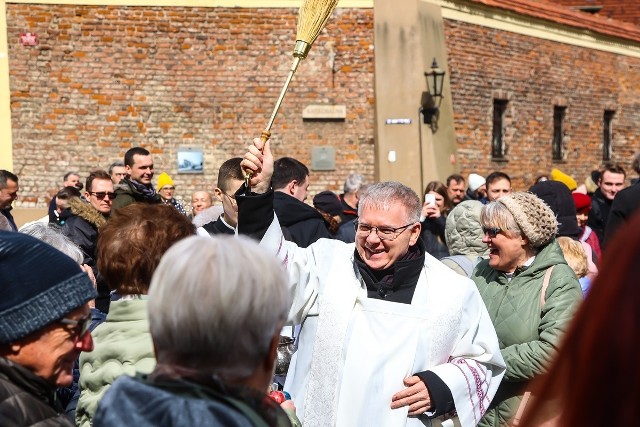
264,137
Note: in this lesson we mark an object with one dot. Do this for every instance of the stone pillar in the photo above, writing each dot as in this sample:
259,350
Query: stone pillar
408,35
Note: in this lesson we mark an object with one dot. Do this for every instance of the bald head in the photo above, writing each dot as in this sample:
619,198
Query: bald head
200,200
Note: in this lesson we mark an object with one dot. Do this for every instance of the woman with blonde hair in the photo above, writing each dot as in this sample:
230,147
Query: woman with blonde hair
529,290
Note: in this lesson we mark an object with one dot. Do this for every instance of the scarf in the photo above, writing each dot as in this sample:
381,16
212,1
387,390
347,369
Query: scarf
398,282
147,190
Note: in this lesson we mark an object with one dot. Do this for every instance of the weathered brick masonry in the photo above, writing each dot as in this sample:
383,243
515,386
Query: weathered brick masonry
535,75
104,79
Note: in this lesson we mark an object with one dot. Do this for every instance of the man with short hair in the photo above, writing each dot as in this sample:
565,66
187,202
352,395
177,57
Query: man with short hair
390,336
8,193
117,171
349,198
137,187
610,183
290,182
229,180
200,200
498,185
82,222
456,186
70,179
44,325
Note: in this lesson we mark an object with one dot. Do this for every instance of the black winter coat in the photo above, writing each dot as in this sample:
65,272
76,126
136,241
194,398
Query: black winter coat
624,205
81,224
304,223
432,234
217,227
27,400
599,213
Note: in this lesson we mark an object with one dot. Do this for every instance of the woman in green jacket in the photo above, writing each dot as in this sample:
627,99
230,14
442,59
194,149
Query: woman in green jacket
529,290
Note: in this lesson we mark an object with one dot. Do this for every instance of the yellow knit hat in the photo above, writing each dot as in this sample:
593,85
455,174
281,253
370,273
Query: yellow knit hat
558,175
163,180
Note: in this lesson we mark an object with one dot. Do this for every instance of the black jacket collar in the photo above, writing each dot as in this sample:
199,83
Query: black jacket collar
398,282
30,382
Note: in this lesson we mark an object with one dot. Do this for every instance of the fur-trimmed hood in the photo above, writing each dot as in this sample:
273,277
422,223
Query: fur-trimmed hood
87,212
208,215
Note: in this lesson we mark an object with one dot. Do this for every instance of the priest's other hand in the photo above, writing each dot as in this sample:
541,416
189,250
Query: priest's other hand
416,396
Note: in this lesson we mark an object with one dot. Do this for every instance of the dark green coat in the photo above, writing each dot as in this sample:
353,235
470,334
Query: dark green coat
528,333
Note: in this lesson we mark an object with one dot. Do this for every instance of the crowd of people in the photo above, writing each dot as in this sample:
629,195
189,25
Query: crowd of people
471,304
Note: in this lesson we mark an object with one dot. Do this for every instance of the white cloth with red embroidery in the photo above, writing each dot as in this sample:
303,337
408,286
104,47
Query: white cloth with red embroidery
354,352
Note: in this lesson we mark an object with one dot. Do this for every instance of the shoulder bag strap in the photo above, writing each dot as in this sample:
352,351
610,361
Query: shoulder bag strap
545,285
525,398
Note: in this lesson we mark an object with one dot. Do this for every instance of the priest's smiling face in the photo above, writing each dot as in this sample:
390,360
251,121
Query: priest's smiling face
378,253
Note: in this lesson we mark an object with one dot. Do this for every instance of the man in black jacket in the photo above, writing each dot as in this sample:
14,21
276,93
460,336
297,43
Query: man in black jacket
610,183
44,319
8,193
229,180
626,203
290,181
82,221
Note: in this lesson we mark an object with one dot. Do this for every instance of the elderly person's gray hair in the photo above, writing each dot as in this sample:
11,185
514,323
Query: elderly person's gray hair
53,235
215,304
387,195
352,183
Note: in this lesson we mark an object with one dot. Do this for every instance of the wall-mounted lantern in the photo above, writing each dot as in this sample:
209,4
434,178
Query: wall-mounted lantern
430,102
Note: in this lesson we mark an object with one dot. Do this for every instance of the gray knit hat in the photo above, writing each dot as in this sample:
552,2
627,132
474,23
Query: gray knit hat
38,285
534,217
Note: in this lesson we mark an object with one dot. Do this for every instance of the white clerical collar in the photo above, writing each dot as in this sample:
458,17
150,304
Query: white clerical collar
226,224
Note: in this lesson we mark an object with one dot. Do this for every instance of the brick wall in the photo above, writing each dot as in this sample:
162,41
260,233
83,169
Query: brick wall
535,75
104,79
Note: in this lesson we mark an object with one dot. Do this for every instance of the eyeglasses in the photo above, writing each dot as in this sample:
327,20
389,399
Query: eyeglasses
101,195
491,231
384,233
80,326
232,197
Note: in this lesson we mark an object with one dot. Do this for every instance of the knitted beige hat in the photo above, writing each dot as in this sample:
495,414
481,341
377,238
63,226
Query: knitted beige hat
536,220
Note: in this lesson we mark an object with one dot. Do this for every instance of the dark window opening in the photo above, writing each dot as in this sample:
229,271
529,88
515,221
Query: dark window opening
558,132
497,142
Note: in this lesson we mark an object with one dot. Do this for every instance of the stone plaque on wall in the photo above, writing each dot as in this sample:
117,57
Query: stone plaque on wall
324,112
323,158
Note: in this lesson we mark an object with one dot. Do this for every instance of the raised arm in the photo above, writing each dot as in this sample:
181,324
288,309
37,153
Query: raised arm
259,161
